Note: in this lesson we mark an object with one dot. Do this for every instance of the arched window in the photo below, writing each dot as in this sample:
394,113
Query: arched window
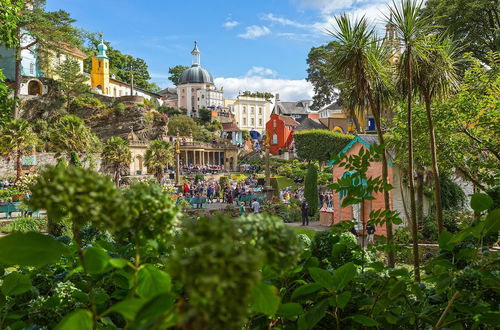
275,139
34,88
244,109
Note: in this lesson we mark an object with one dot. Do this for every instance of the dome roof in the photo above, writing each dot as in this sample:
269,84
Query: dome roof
196,74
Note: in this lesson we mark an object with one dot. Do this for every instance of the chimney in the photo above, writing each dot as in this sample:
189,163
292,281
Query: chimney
277,97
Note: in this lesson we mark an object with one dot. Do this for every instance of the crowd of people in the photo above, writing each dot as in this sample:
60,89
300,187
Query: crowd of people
202,169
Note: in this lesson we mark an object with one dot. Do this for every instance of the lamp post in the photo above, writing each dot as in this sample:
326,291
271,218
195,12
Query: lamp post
177,158
131,69
267,188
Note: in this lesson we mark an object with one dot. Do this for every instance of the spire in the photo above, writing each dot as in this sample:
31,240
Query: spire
102,48
196,54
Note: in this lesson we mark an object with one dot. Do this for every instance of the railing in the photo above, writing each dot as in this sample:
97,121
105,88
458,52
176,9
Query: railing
197,144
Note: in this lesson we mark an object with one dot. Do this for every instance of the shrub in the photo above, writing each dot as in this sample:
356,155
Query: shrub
223,181
311,189
320,144
87,100
120,108
26,224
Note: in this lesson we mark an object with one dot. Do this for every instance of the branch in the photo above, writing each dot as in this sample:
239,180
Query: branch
469,134
30,44
470,178
446,310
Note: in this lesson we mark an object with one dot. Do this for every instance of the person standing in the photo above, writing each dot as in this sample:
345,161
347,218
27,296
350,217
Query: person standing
370,230
242,208
304,207
255,206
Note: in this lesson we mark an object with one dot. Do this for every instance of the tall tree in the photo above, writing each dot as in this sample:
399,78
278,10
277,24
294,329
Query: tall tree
17,139
361,67
473,24
71,80
411,28
175,73
116,156
70,135
435,76
183,125
320,75
157,157
10,12
41,32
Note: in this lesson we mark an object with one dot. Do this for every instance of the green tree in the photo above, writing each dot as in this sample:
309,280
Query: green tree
473,24
319,74
175,73
71,80
6,102
17,139
70,134
361,65
116,156
205,116
44,30
157,157
10,12
182,124
435,77
311,193
412,28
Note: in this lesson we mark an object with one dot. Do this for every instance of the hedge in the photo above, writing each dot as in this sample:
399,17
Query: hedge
320,144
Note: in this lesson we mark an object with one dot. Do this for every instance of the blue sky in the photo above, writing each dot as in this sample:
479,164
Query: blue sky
246,45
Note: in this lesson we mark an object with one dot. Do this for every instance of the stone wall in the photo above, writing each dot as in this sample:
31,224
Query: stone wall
8,166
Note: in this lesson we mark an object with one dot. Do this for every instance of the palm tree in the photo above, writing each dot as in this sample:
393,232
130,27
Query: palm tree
116,156
411,28
435,78
70,136
158,155
17,139
361,64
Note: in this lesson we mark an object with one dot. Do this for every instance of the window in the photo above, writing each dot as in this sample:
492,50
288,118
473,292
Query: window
203,96
260,111
252,110
244,121
32,68
252,121
274,123
275,139
260,121
244,109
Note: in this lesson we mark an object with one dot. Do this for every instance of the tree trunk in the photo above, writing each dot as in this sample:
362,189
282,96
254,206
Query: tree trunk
435,169
411,178
68,97
17,83
19,168
391,260
420,197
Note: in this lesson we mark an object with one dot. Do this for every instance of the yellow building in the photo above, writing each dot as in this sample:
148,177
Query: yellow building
99,76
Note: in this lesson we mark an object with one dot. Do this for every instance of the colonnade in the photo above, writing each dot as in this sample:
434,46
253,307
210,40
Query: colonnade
202,157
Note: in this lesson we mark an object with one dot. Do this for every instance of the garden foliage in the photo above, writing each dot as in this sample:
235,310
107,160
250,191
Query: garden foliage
320,145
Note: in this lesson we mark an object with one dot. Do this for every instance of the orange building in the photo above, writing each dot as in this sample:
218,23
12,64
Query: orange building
279,129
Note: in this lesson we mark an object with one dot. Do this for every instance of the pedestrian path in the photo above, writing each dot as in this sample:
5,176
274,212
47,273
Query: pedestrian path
314,225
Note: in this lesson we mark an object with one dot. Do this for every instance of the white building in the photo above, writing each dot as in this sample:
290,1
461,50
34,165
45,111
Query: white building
210,98
251,113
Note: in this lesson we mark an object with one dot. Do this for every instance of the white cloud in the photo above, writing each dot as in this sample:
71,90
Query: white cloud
259,71
289,90
254,32
284,21
230,24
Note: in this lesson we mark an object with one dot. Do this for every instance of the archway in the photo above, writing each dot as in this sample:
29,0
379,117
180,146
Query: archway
138,165
34,87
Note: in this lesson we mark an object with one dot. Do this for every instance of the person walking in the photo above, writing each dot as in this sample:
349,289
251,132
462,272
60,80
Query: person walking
255,206
370,230
304,208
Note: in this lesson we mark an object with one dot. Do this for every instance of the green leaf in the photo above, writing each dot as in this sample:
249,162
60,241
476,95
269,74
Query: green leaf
490,318
481,202
396,290
322,277
492,222
30,249
15,283
444,241
290,310
151,281
155,307
306,289
96,260
265,299
343,298
313,316
81,319
343,275
127,308
118,262
364,320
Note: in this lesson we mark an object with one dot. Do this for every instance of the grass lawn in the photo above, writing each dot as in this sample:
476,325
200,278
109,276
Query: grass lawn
308,232
284,182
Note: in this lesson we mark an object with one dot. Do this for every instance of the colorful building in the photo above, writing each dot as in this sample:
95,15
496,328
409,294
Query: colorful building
279,129
196,89
298,110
